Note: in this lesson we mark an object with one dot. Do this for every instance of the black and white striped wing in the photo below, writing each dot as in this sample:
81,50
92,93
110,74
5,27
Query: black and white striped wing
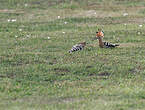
109,45
76,48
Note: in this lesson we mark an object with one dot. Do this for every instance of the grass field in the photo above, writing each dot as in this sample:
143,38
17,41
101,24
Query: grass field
38,73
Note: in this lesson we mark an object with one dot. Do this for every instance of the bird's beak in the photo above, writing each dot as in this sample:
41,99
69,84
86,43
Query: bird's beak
97,37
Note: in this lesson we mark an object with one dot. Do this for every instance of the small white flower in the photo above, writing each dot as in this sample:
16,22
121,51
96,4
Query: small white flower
125,24
26,5
16,36
20,29
65,22
105,104
13,20
48,38
63,32
125,14
9,20
27,35
138,33
95,13
58,17
140,25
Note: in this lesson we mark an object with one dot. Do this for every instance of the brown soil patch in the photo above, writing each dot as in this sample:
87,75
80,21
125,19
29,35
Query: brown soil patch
11,11
45,100
104,74
130,44
100,74
97,14
61,70
12,75
89,66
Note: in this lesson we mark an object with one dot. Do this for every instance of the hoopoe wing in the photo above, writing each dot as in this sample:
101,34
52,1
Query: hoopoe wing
110,45
76,48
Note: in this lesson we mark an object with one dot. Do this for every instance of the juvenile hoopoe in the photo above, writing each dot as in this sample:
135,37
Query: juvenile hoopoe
77,47
99,36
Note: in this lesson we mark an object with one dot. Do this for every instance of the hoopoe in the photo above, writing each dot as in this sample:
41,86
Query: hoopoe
99,36
77,47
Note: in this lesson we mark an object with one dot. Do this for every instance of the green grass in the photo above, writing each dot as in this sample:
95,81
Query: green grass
37,73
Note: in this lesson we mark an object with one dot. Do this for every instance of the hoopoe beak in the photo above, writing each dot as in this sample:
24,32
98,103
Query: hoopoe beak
97,37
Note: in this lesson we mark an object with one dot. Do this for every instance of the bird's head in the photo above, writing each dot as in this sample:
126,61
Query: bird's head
99,34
